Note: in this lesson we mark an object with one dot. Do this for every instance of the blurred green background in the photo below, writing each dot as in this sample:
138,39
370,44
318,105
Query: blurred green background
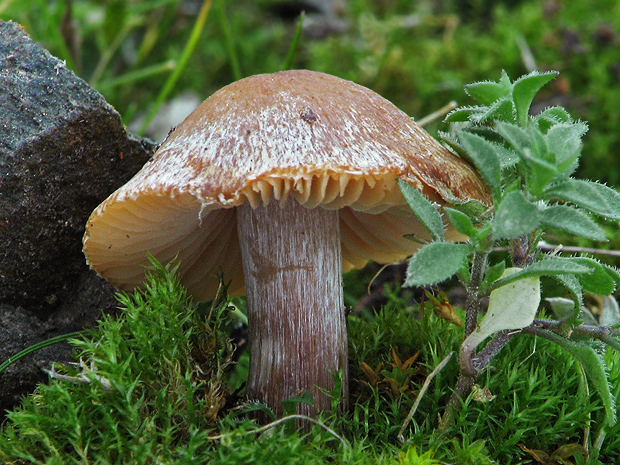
418,54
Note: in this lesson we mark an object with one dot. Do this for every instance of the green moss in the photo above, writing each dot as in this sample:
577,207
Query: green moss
152,386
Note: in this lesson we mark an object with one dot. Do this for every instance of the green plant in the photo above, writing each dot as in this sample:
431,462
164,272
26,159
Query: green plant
140,393
148,386
528,163
411,457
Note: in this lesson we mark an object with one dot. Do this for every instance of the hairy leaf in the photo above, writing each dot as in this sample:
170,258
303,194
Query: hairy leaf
424,210
485,157
539,144
494,272
592,196
556,115
613,274
502,110
486,92
515,216
598,281
516,136
571,220
548,267
436,262
461,222
539,174
573,286
565,140
525,88
463,114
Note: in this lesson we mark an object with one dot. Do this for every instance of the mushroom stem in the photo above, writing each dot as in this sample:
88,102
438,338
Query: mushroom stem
293,276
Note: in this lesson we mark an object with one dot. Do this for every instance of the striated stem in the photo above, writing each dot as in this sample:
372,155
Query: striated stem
293,276
472,305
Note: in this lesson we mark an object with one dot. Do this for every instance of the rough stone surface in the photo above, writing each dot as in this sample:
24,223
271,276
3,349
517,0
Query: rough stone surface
63,150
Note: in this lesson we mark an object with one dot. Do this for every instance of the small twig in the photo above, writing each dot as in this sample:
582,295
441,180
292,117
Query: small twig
376,276
598,332
282,420
437,114
86,376
425,386
568,249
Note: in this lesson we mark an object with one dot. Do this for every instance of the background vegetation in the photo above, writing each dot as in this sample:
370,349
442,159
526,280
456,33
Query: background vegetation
418,55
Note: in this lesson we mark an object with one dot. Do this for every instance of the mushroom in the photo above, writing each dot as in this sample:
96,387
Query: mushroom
293,177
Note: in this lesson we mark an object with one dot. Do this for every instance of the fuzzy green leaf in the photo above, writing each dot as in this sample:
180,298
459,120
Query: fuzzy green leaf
472,208
594,366
550,117
548,267
539,144
486,92
516,136
493,273
424,210
613,274
565,140
573,286
515,216
556,115
436,262
610,312
484,156
463,114
502,110
525,89
573,221
461,222
598,281
594,197
507,157
540,172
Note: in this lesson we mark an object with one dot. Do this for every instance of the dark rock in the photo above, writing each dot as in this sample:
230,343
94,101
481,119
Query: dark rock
20,329
63,150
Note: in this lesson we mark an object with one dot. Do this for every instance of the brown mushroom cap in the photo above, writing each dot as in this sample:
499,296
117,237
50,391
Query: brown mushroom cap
323,140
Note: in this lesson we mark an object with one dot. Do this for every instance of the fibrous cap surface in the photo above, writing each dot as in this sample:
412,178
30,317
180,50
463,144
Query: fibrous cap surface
290,136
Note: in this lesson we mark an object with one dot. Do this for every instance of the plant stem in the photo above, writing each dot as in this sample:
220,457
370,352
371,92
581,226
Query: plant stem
461,391
469,371
521,251
599,332
472,305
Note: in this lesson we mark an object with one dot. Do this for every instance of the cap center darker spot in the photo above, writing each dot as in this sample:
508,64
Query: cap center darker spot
308,115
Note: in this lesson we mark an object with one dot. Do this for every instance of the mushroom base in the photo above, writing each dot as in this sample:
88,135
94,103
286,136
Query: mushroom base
293,278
